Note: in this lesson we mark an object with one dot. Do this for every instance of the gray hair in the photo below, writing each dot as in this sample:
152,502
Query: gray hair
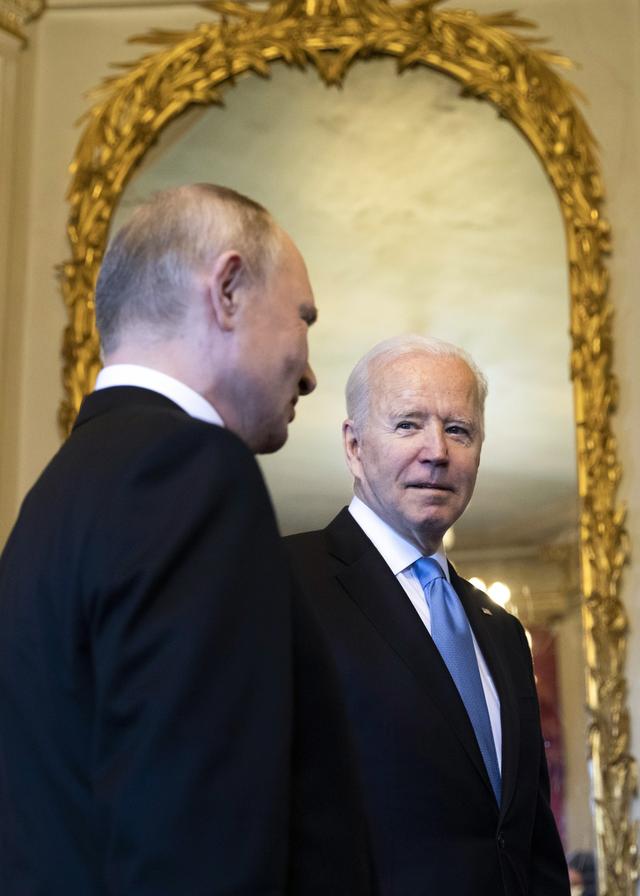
357,389
147,272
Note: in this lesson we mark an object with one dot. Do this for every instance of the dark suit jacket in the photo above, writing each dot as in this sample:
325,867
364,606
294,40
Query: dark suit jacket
149,716
435,827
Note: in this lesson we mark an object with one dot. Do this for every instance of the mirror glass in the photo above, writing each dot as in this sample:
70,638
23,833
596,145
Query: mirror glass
420,211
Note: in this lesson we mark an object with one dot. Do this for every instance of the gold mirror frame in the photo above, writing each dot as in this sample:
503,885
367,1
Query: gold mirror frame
492,63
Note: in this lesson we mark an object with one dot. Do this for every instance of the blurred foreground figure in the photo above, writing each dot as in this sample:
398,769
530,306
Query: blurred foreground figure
438,679
582,873
151,718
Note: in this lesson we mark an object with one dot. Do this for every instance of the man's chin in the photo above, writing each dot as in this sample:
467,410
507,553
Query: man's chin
431,523
272,442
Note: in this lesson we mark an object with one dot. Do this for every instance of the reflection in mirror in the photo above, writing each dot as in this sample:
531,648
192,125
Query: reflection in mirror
418,211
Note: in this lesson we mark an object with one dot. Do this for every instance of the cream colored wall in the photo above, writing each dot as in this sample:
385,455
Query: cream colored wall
9,56
70,50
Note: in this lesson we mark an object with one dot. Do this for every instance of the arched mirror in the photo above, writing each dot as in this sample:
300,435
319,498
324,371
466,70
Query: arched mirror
418,212
421,211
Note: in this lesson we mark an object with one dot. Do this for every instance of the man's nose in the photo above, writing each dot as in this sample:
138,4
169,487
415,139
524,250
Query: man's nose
434,445
308,381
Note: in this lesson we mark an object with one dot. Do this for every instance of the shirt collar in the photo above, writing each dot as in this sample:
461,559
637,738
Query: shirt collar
396,551
147,378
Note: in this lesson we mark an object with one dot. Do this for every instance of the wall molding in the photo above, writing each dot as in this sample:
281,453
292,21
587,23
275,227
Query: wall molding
15,15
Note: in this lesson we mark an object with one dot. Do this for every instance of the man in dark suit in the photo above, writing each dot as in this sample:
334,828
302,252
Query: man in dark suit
155,732
437,678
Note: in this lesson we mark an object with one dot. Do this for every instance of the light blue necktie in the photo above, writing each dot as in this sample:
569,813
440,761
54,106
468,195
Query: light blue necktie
452,636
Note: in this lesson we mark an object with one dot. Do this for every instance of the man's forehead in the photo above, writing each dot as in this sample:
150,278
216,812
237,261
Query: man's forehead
417,366
421,376
290,256
289,283
292,262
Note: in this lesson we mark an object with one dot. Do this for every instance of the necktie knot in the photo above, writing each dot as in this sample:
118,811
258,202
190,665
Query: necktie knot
427,570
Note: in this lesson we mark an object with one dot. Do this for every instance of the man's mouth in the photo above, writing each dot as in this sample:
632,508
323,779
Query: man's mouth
432,486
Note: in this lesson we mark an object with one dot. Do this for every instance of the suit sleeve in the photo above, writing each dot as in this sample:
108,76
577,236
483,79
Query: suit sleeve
190,630
549,875
329,841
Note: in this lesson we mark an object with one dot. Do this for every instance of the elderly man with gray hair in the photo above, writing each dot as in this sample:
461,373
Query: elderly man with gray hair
169,722
437,679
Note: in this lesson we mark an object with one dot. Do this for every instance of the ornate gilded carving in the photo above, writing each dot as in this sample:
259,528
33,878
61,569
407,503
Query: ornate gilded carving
15,14
492,61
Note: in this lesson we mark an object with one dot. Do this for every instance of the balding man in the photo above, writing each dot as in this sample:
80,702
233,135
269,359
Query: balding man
151,724
437,678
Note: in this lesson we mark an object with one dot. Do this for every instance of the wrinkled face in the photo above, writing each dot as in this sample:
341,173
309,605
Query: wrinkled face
275,354
416,457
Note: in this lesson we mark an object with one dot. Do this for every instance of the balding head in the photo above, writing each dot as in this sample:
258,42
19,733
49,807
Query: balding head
147,275
204,286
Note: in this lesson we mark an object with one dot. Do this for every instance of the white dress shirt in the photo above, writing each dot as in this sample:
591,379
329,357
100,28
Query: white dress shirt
399,555
148,378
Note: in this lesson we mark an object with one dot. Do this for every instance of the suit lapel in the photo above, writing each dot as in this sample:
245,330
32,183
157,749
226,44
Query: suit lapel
369,582
486,631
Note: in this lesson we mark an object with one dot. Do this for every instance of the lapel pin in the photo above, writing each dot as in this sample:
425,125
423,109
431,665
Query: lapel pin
486,611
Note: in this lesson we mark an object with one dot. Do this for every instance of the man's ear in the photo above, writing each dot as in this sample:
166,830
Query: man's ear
351,444
227,276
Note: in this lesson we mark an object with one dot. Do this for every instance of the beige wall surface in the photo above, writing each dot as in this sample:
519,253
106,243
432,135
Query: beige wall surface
9,339
70,50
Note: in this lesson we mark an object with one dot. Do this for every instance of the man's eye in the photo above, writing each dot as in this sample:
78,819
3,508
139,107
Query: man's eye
405,424
456,430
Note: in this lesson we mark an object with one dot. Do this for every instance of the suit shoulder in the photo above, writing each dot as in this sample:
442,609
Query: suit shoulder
511,625
310,557
298,539
161,423
306,543
150,435
145,463
147,416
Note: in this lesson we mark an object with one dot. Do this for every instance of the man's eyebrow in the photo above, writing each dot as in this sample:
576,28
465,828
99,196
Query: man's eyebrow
308,313
461,418
401,415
